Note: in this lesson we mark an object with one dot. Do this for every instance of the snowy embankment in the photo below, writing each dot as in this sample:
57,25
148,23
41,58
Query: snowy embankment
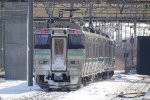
121,86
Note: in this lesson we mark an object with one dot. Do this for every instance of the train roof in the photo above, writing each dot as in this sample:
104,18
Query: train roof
65,24
74,25
88,33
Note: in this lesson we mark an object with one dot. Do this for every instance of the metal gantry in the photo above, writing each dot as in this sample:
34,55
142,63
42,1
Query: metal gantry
119,10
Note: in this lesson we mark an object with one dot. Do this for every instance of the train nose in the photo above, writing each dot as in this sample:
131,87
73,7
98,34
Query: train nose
60,77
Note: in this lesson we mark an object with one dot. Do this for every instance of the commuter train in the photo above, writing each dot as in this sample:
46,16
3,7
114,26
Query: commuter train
67,56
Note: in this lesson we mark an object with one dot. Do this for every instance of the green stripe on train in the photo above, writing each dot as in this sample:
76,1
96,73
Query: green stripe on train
41,54
75,54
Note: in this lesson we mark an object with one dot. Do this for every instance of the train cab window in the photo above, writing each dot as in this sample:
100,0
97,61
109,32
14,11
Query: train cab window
59,46
76,41
42,41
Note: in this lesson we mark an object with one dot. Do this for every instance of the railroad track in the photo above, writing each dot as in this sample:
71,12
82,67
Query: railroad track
134,90
43,95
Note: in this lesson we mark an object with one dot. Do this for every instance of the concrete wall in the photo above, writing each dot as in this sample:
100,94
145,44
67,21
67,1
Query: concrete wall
0,44
1,38
15,41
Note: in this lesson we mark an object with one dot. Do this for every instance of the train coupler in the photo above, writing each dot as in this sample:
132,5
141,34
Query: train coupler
60,77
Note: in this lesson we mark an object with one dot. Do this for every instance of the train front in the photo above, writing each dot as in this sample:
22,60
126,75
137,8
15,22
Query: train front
58,58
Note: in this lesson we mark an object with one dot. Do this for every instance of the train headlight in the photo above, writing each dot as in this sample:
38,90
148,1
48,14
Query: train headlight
74,62
43,62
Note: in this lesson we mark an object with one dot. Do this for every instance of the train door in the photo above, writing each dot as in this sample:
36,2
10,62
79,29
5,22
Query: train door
59,54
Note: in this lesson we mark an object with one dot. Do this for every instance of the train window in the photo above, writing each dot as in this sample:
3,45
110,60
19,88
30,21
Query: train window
94,49
106,49
104,46
111,49
42,41
100,49
76,41
87,47
97,47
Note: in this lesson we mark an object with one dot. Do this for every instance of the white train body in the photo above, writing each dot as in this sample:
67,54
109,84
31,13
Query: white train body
69,57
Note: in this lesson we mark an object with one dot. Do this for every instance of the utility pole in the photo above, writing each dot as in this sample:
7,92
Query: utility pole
71,12
135,43
90,14
30,43
126,53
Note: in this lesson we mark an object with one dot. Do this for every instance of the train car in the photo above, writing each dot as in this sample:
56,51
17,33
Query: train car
143,48
67,55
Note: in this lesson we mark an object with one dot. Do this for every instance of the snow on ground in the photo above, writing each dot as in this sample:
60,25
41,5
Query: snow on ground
14,89
107,90
101,90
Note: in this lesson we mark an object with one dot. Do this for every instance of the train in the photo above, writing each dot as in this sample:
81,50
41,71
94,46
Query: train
68,56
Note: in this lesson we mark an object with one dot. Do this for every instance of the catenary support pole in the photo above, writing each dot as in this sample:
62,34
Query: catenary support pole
30,43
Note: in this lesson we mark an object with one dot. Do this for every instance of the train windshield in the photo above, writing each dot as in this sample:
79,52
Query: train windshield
42,41
76,41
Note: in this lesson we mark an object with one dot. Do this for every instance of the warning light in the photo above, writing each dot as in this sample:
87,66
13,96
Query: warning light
43,30
75,32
